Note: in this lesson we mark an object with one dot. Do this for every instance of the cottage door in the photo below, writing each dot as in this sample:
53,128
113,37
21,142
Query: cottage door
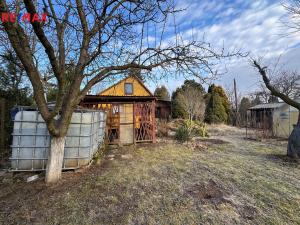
113,124
126,123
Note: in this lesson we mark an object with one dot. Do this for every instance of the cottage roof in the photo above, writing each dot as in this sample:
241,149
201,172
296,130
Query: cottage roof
268,106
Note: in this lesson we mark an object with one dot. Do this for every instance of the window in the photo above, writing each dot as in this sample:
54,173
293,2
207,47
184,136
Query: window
128,89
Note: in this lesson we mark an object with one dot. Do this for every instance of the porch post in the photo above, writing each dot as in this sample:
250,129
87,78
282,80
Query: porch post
154,122
134,115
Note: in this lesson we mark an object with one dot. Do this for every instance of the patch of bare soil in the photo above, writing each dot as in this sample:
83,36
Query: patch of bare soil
196,145
206,193
248,212
212,193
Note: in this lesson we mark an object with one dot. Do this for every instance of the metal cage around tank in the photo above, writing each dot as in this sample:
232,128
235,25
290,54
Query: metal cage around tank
31,139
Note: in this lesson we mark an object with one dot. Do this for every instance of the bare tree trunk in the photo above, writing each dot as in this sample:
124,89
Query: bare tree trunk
55,159
293,149
294,141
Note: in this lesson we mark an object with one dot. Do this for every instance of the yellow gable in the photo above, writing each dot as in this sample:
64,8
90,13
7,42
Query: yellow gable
130,86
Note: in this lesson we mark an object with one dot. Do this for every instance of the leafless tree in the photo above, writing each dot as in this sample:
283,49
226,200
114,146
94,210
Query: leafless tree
191,99
292,21
262,93
294,139
93,40
284,81
288,83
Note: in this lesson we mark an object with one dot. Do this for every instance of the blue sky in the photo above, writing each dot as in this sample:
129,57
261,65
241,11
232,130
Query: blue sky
254,26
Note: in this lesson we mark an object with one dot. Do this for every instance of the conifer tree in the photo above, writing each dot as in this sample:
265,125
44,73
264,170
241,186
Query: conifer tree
216,111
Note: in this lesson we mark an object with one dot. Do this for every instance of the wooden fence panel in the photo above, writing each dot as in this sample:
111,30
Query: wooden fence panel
144,116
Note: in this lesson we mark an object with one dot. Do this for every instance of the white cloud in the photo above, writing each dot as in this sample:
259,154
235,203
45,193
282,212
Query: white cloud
255,29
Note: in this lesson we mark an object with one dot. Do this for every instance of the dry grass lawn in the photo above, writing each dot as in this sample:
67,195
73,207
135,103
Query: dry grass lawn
231,182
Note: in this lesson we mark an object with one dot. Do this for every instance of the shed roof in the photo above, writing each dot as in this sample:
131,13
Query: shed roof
268,106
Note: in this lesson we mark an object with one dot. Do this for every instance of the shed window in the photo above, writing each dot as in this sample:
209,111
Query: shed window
128,89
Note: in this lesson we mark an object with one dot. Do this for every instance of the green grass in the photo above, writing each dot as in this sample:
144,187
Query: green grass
167,184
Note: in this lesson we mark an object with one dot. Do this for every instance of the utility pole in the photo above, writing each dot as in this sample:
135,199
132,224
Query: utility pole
236,104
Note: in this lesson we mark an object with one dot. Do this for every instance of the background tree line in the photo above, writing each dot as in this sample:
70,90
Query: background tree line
217,104
191,101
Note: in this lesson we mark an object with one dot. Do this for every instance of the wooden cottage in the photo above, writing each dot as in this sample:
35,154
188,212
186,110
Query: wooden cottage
130,110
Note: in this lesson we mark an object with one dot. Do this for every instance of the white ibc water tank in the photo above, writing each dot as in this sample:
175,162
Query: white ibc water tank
31,139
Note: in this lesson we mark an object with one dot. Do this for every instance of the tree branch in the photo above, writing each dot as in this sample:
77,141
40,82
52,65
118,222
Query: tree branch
273,90
20,43
43,39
